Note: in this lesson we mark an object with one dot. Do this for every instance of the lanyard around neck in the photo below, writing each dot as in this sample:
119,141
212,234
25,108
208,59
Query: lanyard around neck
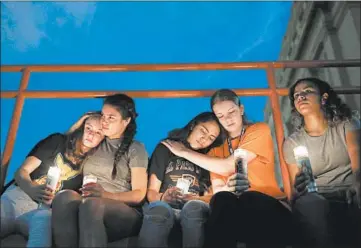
230,142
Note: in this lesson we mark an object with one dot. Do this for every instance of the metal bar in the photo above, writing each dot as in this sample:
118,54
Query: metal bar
317,63
14,125
184,66
158,93
278,124
135,94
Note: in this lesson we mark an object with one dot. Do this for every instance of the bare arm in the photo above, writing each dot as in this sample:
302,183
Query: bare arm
293,170
153,189
236,183
221,166
353,148
22,175
139,188
37,192
218,185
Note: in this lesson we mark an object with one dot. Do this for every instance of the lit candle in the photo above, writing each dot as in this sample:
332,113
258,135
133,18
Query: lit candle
89,179
183,185
240,159
304,163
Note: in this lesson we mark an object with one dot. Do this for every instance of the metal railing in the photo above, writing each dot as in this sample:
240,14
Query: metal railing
272,92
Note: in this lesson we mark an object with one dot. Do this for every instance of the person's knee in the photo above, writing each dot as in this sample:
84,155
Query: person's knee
159,212
195,210
41,219
311,202
91,207
7,223
64,197
222,198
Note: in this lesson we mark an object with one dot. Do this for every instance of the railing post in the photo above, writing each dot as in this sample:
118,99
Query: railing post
14,125
278,124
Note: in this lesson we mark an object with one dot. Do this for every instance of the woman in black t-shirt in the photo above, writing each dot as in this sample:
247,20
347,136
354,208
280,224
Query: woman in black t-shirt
169,204
19,203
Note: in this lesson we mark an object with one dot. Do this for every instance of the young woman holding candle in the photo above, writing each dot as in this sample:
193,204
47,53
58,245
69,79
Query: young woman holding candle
245,208
170,203
111,208
328,131
19,203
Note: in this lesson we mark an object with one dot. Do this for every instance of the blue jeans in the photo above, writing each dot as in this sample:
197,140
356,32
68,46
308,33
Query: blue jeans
160,217
40,233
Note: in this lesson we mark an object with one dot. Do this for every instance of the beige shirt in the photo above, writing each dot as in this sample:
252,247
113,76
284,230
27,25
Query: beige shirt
100,164
328,154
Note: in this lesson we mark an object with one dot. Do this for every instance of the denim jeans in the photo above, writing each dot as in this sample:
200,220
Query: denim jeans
40,233
160,218
20,214
15,205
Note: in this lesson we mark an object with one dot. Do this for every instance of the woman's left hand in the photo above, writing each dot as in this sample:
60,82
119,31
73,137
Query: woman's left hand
92,190
354,192
188,197
177,148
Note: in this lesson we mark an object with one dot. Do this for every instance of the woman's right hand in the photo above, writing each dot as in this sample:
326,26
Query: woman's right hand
172,196
81,120
300,184
237,183
41,193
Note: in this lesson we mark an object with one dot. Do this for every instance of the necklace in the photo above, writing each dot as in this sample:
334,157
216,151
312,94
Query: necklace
229,141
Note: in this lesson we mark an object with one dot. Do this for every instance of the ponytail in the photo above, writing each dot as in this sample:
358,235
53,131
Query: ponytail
128,137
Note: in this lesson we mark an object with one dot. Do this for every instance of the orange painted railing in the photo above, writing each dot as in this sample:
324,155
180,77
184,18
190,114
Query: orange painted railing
273,92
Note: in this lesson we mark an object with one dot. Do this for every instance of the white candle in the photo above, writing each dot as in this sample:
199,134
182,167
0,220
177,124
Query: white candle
89,179
300,151
183,184
53,177
240,160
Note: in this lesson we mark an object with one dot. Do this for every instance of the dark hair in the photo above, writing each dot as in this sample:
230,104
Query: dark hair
72,150
335,109
182,134
126,107
228,95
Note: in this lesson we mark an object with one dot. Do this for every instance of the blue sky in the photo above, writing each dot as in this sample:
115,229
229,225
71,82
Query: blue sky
133,33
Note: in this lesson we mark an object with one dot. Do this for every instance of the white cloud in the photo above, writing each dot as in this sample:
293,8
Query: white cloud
80,12
24,24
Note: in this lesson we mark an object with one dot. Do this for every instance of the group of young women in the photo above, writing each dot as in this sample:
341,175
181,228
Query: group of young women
134,196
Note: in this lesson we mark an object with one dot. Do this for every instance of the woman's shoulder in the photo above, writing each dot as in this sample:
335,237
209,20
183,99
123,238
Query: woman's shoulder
54,138
258,126
161,150
137,145
293,138
351,124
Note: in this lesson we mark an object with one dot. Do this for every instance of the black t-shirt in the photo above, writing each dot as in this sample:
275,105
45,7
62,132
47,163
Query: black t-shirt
169,167
51,150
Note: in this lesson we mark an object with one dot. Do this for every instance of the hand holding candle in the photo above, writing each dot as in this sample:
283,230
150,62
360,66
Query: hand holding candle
91,188
240,159
303,162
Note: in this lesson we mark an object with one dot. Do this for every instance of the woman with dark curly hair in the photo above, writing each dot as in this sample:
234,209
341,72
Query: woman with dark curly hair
330,132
